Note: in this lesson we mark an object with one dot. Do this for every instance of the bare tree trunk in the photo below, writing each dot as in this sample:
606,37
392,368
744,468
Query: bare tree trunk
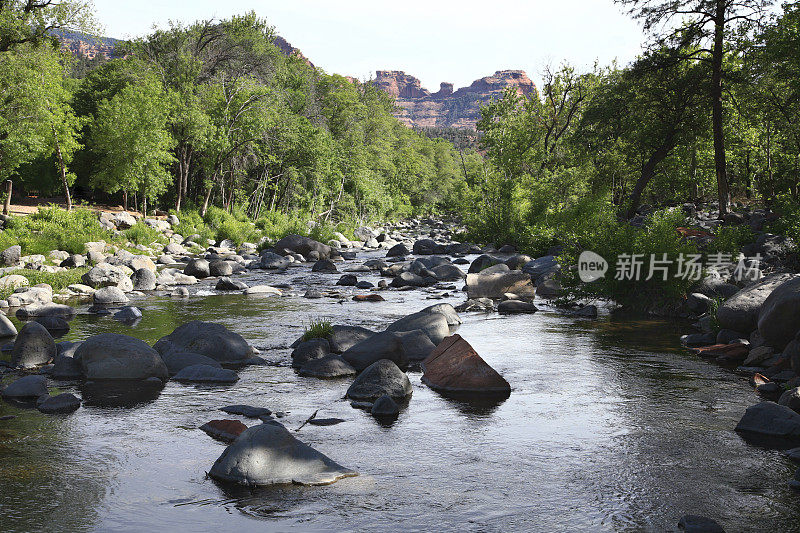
648,171
63,170
7,203
208,197
716,108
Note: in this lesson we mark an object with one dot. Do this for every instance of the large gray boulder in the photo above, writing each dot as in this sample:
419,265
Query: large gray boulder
740,312
381,378
267,454
34,346
494,286
144,279
779,316
542,265
416,344
199,268
209,339
345,337
303,246
770,421
177,361
110,356
447,310
65,366
309,350
109,295
26,388
273,261
206,374
47,310
220,268
482,262
448,273
434,324
106,275
384,345
10,256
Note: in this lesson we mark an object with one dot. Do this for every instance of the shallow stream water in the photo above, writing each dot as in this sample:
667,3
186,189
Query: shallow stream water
609,427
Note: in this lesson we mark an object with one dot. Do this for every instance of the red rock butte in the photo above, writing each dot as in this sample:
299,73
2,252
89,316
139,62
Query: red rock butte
447,108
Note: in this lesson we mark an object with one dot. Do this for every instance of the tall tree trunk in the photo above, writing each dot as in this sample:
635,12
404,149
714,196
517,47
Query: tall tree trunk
648,171
7,203
63,170
125,200
208,197
716,107
179,188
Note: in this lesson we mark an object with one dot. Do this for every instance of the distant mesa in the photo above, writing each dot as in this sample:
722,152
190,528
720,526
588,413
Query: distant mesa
447,108
88,46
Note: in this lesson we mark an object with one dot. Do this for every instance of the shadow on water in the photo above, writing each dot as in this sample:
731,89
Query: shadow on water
120,394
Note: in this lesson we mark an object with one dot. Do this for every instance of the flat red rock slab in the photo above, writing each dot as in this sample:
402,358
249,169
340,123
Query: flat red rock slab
455,366
368,298
224,430
691,232
729,351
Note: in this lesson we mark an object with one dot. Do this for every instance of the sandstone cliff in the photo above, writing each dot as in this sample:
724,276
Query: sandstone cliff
447,108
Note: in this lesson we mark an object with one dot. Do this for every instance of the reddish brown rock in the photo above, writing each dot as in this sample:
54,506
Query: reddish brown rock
224,430
731,352
368,298
759,379
455,367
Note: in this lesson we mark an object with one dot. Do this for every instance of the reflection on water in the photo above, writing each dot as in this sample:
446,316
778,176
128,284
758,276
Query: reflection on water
119,393
609,426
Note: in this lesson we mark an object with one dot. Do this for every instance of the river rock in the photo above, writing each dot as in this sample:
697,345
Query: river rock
105,275
273,261
791,399
224,430
328,367
264,290
779,316
455,367
109,295
34,346
268,454
385,407
199,268
409,279
303,246
380,378
177,361
448,273
201,373
26,388
73,261
209,339
47,310
698,303
220,268
541,266
128,314
416,344
53,324
347,280
246,410
398,250
7,328
741,311
342,338
110,356
13,281
384,345
771,421
425,247
62,403
144,279
434,324
495,285
123,220
482,262
227,284
10,256
310,350
325,266
65,366
516,307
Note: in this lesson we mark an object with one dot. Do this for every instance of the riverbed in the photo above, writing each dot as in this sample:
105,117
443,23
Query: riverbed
610,426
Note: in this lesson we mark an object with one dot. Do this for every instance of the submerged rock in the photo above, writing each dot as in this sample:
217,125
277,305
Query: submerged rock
698,524
246,410
268,454
385,407
177,361
224,430
62,403
455,367
516,307
26,388
201,373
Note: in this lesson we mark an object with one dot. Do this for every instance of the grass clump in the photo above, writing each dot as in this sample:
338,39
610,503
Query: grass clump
141,233
317,329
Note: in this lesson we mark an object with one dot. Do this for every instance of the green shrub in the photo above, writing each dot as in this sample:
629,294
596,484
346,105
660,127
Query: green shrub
317,329
53,228
730,239
141,233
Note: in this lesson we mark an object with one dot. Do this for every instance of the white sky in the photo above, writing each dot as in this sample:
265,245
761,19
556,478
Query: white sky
435,40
